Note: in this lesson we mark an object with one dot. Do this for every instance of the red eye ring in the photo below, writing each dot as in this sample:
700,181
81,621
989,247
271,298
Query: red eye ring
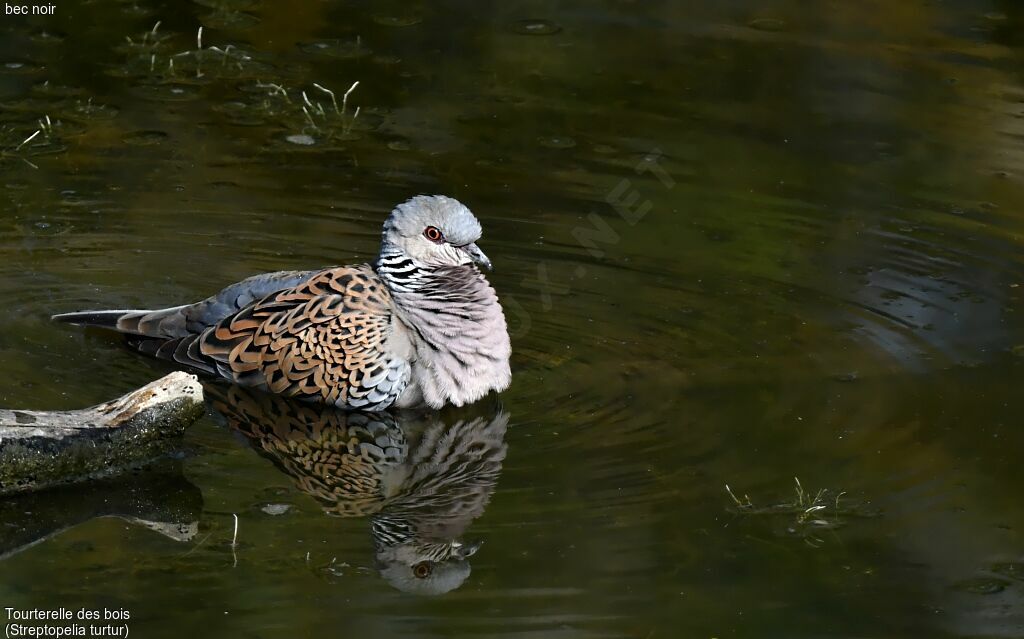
433,234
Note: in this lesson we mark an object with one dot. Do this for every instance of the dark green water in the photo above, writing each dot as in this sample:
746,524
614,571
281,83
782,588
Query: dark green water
738,242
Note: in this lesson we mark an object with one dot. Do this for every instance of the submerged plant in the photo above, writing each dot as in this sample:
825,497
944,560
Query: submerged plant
150,53
316,114
315,117
322,119
154,61
806,512
14,144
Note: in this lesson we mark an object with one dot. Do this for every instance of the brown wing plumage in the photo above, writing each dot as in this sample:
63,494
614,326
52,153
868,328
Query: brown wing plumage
319,336
323,340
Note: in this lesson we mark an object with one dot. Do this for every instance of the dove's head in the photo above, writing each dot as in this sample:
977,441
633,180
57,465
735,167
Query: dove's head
427,568
434,230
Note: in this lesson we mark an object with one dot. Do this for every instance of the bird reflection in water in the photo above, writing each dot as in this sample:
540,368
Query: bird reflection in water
421,481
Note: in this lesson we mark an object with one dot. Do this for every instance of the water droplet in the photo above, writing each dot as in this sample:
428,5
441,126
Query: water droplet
399,145
536,27
301,139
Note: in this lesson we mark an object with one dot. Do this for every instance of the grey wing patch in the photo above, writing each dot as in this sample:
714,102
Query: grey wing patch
384,390
189,319
234,298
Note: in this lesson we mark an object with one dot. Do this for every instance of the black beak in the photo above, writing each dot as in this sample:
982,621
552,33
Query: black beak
478,257
466,550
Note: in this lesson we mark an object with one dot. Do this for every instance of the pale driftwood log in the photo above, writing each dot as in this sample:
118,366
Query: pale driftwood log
39,449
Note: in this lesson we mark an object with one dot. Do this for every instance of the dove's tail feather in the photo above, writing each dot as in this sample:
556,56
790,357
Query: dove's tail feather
165,323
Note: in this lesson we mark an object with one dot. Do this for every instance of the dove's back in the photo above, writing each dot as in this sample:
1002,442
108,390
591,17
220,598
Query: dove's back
327,336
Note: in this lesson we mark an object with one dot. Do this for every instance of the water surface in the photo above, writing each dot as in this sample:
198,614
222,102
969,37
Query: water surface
737,242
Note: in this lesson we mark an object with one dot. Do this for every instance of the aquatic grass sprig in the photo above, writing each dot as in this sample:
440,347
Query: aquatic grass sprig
313,114
150,52
229,53
821,510
324,118
149,39
234,543
321,119
14,146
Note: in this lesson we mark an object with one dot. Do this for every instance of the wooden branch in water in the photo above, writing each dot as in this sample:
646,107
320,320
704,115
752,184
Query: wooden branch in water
39,449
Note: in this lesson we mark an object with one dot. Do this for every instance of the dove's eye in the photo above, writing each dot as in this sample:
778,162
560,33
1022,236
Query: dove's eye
422,569
433,234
